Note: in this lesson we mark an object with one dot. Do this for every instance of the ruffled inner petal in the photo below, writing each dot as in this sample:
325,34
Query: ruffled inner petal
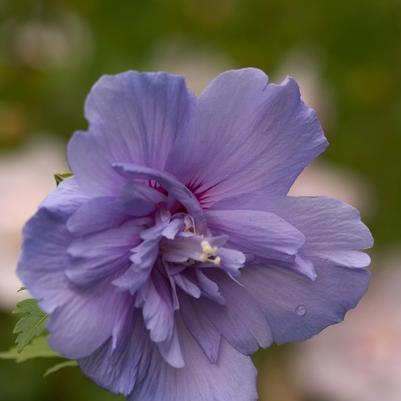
261,234
95,215
240,320
158,313
101,254
174,187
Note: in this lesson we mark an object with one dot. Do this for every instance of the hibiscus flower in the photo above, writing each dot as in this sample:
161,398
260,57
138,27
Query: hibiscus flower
174,252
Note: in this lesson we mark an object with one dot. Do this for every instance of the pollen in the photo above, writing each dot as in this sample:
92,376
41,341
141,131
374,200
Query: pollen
217,261
208,249
209,253
203,257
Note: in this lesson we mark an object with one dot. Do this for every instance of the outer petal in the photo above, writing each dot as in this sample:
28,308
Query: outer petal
297,308
96,256
133,118
65,199
44,257
245,135
232,378
44,249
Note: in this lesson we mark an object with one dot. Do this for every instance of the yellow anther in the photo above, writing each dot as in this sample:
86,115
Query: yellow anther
203,257
217,261
205,246
209,253
208,249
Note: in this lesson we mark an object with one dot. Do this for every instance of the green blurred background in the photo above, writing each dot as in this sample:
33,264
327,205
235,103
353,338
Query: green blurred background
347,54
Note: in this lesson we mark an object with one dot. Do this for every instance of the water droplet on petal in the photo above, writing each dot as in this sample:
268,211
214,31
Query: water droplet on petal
300,310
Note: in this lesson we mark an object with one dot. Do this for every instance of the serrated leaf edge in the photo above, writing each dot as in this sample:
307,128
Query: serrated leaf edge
34,328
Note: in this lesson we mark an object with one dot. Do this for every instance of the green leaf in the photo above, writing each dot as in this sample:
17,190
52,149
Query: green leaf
59,366
31,325
59,177
38,348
